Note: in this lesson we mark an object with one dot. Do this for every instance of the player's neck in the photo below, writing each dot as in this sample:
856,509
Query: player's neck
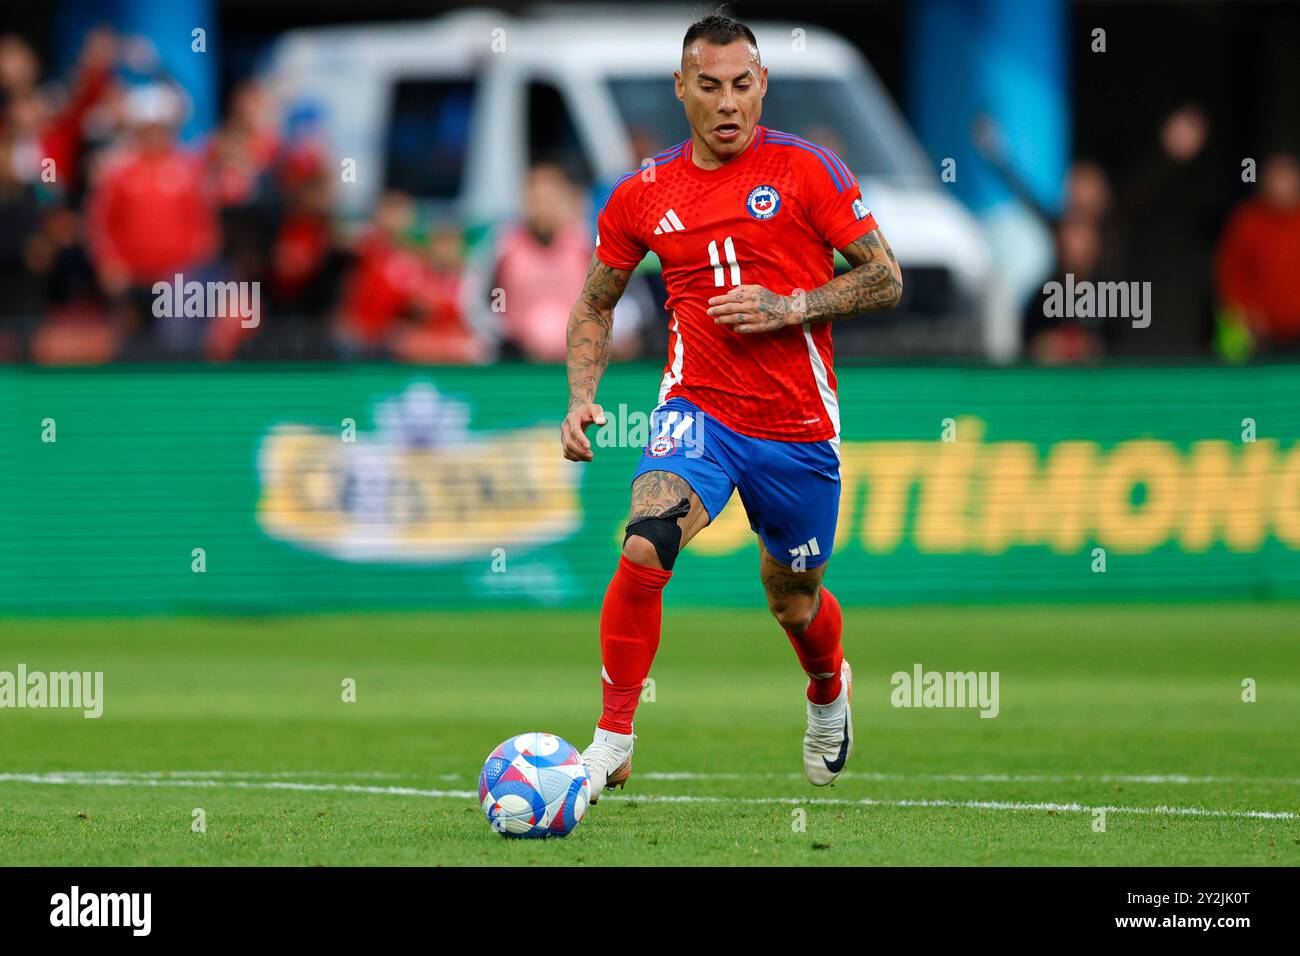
704,158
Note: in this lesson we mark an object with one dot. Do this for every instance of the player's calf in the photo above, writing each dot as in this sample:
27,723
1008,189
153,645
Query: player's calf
811,618
795,613
665,514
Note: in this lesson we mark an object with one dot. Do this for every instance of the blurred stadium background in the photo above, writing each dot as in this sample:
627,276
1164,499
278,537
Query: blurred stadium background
391,173
411,186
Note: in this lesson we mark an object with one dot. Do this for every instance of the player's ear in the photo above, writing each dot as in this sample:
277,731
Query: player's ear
679,85
762,81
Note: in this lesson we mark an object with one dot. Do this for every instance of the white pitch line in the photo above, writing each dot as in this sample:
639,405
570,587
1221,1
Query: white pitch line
971,804
248,774
136,781
687,775
1152,778
88,780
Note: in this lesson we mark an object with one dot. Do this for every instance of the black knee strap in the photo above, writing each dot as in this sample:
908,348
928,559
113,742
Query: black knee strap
662,531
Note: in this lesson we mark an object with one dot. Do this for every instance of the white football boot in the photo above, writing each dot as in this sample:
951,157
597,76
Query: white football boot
608,761
829,738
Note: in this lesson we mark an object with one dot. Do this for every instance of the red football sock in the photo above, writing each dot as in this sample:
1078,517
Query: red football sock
629,636
820,651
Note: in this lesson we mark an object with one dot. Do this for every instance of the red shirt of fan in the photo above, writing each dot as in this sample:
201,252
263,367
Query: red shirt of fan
772,216
151,215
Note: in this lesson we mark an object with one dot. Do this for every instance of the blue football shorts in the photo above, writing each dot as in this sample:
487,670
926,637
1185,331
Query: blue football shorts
790,490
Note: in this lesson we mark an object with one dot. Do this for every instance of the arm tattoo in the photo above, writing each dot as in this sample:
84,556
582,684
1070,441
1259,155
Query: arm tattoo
874,284
775,311
590,326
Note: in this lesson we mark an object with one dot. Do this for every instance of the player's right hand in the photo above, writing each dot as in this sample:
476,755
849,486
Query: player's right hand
573,431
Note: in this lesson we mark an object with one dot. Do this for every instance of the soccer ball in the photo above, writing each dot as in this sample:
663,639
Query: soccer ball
534,785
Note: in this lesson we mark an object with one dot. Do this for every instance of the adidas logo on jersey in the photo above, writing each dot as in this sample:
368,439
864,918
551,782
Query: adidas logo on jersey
669,223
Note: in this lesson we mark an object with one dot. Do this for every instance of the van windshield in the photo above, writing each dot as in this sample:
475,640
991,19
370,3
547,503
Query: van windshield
826,110
428,136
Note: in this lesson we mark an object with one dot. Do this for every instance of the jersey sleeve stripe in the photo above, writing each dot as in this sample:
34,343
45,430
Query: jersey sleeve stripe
659,159
671,149
823,152
835,176
830,154
848,173
840,173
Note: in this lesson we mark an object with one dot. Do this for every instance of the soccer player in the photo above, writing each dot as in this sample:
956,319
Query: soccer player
744,220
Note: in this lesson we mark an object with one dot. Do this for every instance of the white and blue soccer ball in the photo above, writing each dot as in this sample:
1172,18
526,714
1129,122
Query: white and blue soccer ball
534,785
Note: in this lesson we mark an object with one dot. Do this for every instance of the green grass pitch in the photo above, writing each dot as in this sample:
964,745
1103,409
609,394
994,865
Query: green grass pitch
1137,709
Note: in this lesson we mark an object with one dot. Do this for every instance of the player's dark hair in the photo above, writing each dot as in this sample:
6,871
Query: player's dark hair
718,29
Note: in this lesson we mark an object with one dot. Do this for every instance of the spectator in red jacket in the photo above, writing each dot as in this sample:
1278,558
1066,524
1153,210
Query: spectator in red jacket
385,282
64,138
151,213
243,150
439,332
1258,262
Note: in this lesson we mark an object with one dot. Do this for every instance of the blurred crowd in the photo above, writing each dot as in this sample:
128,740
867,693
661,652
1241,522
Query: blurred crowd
100,199
1225,277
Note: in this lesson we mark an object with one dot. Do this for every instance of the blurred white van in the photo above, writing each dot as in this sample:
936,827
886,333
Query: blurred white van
453,110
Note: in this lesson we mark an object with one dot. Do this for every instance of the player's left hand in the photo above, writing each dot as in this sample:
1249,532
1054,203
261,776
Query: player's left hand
751,308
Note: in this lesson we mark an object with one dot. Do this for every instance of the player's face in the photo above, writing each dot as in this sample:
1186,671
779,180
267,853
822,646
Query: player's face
722,89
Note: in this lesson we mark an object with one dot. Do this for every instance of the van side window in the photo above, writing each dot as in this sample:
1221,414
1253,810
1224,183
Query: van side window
552,135
428,136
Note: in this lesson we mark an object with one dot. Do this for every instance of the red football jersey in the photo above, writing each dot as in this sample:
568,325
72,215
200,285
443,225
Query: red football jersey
772,216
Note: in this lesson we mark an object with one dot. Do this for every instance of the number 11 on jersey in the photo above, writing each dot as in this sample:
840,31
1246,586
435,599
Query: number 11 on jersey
730,250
